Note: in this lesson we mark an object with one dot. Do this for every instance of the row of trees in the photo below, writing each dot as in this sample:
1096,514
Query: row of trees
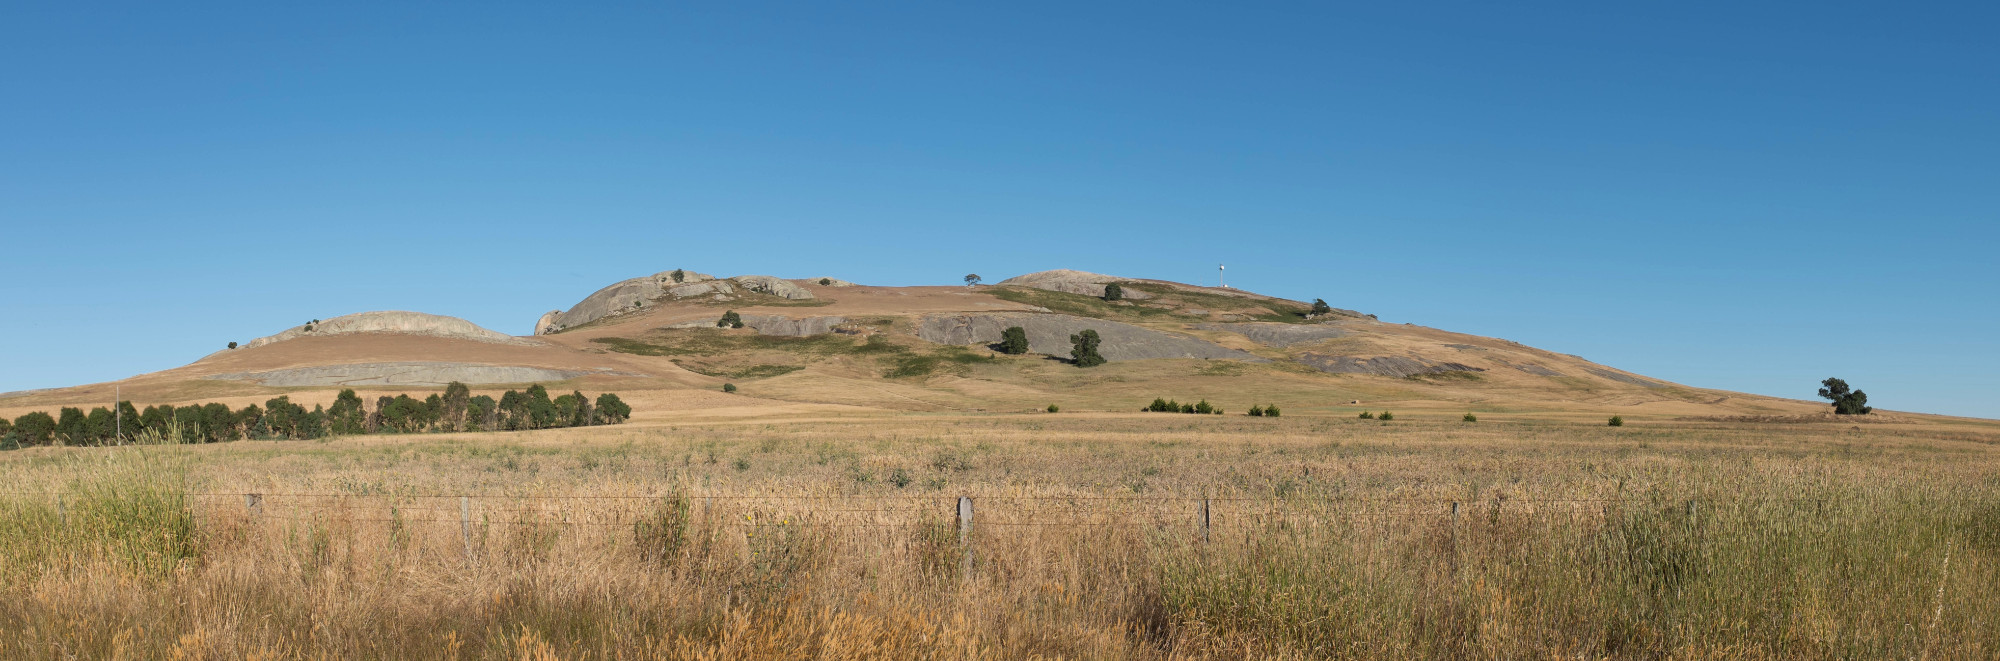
456,409
1083,346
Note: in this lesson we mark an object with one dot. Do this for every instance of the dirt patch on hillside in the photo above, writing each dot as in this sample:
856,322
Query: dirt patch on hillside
1395,366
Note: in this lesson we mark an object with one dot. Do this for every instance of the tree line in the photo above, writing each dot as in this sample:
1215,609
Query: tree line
281,419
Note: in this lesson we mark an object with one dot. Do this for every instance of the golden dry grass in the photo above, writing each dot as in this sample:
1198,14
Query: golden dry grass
832,536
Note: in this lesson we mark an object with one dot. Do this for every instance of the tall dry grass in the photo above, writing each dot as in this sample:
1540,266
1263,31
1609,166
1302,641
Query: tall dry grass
1328,539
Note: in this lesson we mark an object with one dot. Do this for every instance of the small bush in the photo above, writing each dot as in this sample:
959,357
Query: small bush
1470,418
1055,409
232,345
1014,340
1113,292
1256,411
730,320
826,282
1204,408
1616,421
900,478
1271,411
729,387
1387,416
1367,415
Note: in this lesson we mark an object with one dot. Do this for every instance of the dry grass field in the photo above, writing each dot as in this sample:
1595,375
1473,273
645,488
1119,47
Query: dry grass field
827,533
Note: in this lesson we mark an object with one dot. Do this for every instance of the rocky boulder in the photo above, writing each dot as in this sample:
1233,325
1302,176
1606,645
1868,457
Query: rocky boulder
1074,282
393,321
774,286
402,374
1049,334
547,322
1278,335
770,324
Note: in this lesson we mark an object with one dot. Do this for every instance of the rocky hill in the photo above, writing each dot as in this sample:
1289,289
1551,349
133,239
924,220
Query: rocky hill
828,342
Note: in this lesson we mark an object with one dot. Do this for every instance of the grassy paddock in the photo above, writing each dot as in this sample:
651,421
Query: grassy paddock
1328,538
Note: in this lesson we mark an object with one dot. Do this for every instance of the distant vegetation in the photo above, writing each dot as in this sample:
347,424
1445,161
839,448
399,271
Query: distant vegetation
1845,401
281,419
1616,421
1113,292
1271,411
730,320
1171,406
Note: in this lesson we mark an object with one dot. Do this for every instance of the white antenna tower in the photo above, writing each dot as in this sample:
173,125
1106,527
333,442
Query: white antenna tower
1218,277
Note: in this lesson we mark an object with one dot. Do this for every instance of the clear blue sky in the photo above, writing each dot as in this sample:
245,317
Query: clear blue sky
1751,196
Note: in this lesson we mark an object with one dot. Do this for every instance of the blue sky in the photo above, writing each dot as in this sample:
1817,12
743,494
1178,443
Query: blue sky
1730,196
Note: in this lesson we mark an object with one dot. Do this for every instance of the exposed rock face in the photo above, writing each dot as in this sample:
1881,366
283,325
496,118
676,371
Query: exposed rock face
547,322
1623,378
1075,282
393,321
1396,366
773,286
717,287
630,295
770,324
402,374
1278,335
1049,334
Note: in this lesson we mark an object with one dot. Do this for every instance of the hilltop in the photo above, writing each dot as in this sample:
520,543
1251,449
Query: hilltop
830,345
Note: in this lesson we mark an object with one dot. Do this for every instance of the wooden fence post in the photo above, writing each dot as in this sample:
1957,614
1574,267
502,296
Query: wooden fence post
965,534
253,503
1454,537
1204,520
62,509
465,524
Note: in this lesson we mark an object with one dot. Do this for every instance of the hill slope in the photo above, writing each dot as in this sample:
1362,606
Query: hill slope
929,348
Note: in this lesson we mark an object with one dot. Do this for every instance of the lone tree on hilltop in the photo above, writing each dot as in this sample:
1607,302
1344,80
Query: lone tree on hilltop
730,320
1014,340
1113,292
1845,402
1084,349
826,282
972,279
232,345
680,276
1320,307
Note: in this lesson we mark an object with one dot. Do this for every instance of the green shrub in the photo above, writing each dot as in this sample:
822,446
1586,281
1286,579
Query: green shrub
1256,411
1367,415
1084,349
1055,409
1470,418
1014,341
1320,307
1386,416
1616,421
1204,408
1113,292
1272,411
232,345
730,320
825,282
729,387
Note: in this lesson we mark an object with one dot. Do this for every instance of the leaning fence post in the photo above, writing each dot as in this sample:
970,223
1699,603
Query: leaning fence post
253,503
1454,536
62,509
1204,520
965,533
465,524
